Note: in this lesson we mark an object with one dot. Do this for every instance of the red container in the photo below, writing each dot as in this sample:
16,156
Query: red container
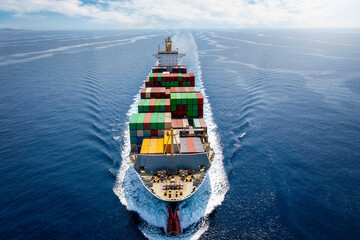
190,145
142,93
147,121
152,105
167,105
154,132
174,123
203,124
200,98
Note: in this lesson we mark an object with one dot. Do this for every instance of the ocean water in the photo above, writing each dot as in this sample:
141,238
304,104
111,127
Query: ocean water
283,109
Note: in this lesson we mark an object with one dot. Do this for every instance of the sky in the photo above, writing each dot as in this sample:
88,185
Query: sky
176,14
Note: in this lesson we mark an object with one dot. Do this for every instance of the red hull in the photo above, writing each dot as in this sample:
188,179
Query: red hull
173,224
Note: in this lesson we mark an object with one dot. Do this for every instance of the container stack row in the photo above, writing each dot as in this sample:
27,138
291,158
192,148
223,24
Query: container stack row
170,80
163,145
161,69
154,105
148,125
191,145
156,92
186,104
184,89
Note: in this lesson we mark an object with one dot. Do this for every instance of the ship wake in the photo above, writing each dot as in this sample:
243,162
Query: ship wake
193,212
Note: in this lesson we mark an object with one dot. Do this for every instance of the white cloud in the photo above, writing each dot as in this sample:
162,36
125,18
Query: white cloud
201,13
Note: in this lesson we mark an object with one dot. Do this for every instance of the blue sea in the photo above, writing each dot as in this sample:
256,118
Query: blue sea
283,110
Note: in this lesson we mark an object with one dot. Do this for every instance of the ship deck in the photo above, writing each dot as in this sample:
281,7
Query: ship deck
173,189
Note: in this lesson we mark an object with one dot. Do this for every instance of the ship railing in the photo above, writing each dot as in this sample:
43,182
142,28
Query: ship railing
173,187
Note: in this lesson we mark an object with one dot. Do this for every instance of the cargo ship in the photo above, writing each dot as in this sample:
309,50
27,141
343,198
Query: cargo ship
170,151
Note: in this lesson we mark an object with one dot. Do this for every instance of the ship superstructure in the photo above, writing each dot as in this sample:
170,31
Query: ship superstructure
170,151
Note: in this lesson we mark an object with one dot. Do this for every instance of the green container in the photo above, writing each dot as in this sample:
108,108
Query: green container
180,76
196,123
141,106
194,98
195,113
196,89
162,105
157,105
189,113
140,121
154,120
159,77
173,99
183,98
163,84
188,98
189,107
173,107
178,98
132,123
161,120
147,133
195,107
176,84
151,77
146,105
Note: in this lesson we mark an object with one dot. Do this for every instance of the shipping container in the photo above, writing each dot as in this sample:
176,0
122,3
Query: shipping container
168,140
145,146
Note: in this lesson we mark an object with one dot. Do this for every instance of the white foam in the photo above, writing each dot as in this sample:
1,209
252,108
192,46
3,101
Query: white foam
25,57
23,60
193,211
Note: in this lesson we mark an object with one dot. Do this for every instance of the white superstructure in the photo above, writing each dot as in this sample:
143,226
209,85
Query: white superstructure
169,57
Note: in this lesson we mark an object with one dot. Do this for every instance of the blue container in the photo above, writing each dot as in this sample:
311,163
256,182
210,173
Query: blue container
133,140
140,140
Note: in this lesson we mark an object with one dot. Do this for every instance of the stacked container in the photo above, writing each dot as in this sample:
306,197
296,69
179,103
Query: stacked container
158,92
152,146
199,123
170,100
191,145
170,80
184,89
154,105
177,69
148,125
186,104
180,123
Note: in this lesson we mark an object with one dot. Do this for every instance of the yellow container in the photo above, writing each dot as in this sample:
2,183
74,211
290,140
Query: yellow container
160,146
145,146
153,146
168,140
